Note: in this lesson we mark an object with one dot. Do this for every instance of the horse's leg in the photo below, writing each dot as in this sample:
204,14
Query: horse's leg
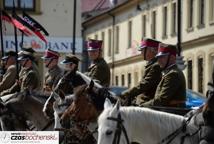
6,123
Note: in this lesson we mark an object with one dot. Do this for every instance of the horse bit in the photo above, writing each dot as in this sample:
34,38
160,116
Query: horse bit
119,130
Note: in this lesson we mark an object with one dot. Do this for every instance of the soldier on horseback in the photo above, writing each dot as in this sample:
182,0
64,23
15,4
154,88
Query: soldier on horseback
171,91
9,78
54,72
28,76
99,69
145,90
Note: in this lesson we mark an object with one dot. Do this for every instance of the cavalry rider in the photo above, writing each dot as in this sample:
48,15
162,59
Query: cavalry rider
171,91
54,72
145,89
28,76
66,84
99,69
70,79
9,78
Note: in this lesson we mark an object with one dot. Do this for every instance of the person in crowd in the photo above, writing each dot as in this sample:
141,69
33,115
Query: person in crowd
99,69
171,91
54,72
9,78
146,88
70,79
28,76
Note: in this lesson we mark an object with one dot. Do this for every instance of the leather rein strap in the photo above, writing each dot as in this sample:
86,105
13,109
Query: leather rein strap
119,130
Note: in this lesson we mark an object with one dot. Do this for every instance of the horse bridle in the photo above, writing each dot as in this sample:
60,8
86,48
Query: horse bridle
119,130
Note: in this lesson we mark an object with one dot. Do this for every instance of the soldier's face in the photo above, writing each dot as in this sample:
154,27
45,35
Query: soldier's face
162,60
93,54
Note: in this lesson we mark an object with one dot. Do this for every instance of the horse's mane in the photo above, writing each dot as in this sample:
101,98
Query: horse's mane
138,116
78,90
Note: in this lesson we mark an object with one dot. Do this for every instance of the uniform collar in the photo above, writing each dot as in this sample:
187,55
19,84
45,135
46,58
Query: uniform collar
164,72
151,62
53,69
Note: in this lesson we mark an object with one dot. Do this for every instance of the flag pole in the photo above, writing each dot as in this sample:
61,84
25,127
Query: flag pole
2,41
2,69
16,45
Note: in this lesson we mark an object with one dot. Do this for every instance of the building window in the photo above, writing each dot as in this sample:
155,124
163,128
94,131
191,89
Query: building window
129,34
144,26
129,79
174,19
153,25
123,80
190,9
189,74
200,75
117,39
116,80
28,5
211,11
165,22
109,42
201,14
103,39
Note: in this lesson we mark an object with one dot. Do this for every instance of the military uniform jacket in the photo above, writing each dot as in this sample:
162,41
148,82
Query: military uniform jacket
171,90
9,78
149,82
100,71
51,78
29,79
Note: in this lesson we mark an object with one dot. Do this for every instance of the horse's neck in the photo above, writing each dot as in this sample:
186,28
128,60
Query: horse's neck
143,123
35,113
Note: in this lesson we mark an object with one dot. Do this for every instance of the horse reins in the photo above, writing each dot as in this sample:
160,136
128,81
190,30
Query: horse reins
119,130
168,139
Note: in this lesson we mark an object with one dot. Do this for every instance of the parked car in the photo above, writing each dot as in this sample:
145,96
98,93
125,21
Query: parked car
193,101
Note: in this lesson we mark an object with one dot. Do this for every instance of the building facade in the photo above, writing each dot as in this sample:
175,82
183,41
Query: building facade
123,26
56,17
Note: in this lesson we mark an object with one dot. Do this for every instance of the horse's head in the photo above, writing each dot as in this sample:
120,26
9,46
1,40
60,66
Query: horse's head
110,123
208,110
82,108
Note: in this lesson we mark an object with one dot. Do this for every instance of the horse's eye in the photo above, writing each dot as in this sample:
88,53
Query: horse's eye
108,132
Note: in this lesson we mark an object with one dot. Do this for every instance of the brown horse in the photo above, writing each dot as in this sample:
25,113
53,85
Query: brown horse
87,104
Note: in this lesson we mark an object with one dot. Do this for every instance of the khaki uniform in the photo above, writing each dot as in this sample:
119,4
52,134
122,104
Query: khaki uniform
9,78
100,71
147,86
29,79
171,90
51,79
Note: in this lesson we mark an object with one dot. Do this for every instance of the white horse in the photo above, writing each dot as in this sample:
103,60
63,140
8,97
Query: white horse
123,125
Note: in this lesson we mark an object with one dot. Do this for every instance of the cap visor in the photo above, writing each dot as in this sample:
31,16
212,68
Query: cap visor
160,54
4,58
65,62
140,48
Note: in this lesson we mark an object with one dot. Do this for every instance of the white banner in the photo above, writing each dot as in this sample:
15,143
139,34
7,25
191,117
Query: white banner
29,137
60,44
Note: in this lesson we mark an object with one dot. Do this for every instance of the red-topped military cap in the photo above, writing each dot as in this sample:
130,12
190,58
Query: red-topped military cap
166,49
93,45
50,54
148,43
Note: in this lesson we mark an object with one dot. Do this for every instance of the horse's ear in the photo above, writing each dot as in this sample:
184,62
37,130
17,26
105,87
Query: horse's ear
117,105
91,85
108,104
